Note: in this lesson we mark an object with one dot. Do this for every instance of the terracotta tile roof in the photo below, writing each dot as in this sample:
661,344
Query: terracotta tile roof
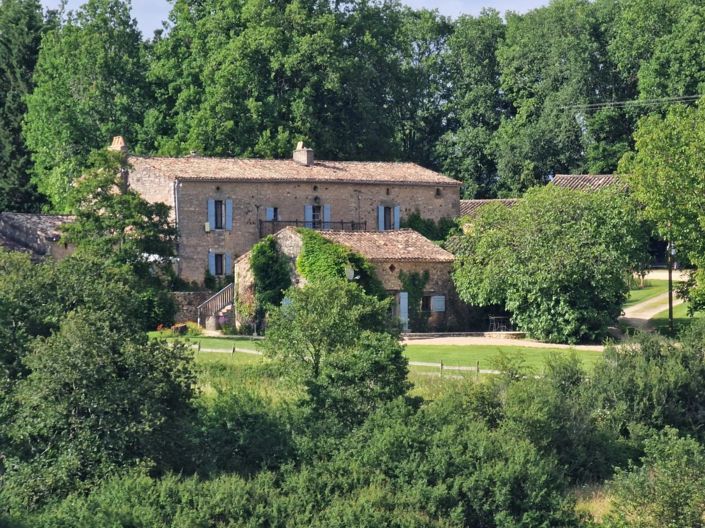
259,170
471,207
584,182
402,245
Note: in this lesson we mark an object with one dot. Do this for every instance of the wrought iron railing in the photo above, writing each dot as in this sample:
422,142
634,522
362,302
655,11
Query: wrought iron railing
269,227
216,303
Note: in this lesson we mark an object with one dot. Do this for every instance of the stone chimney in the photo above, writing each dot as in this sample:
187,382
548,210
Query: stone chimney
303,155
118,145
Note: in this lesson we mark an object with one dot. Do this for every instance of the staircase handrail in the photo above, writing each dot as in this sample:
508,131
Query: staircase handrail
216,302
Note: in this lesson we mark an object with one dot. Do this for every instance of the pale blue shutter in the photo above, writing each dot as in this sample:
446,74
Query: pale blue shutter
397,214
308,215
211,213
229,215
269,214
326,217
438,303
211,263
404,310
228,264
380,218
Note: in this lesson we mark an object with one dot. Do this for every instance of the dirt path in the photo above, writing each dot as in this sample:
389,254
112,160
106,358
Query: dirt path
639,316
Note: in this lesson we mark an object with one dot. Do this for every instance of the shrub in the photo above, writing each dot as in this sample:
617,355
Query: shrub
97,399
654,382
668,489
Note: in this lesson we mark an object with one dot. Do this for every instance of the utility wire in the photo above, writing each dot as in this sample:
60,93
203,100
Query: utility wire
633,102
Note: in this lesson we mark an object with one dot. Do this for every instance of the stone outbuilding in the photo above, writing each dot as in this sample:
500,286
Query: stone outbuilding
223,206
390,253
38,235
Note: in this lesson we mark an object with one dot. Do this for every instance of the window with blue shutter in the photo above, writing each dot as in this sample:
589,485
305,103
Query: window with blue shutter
380,218
228,264
269,215
308,215
438,303
229,215
404,310
326,217
211,213
397,217
211,263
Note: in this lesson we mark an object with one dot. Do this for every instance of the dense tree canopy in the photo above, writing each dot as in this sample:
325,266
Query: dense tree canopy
499,103
21,27
558,260
90,85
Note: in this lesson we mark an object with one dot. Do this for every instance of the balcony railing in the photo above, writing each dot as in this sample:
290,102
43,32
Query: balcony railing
269,227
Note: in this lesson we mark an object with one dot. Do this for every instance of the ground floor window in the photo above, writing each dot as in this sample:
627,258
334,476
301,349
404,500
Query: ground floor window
219,265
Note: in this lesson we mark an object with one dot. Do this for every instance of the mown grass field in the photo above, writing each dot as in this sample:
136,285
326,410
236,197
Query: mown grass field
451,355
469,355
681,320
652,288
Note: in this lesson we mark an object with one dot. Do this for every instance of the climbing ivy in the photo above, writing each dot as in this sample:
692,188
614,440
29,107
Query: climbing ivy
429,228
271,272
414,284
322,259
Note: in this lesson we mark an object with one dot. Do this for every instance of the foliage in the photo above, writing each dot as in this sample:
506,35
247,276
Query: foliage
320,259
97,399
21,27
336,340
476,104
663,174
239,432
429,228
90,84
668,489
414,284
558,261
115,221
358,380
271,272
654,382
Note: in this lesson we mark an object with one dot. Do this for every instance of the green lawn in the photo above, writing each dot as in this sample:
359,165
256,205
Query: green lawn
469,355
680,320
215,343
653,288
451,355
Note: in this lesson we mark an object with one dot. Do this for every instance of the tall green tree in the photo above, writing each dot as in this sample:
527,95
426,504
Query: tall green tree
558,261
90,85
664,174
476,103
21,27
553,63
355,80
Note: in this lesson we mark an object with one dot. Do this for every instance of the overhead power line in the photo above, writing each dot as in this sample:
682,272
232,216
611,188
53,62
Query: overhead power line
633,102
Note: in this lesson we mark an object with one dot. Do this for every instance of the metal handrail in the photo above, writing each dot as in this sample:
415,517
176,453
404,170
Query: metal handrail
275,225
217,302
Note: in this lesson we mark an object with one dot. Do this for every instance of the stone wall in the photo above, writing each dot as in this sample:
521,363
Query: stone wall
187,304
348,203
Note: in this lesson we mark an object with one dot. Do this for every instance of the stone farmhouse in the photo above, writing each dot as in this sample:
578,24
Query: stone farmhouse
222,207
390,253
